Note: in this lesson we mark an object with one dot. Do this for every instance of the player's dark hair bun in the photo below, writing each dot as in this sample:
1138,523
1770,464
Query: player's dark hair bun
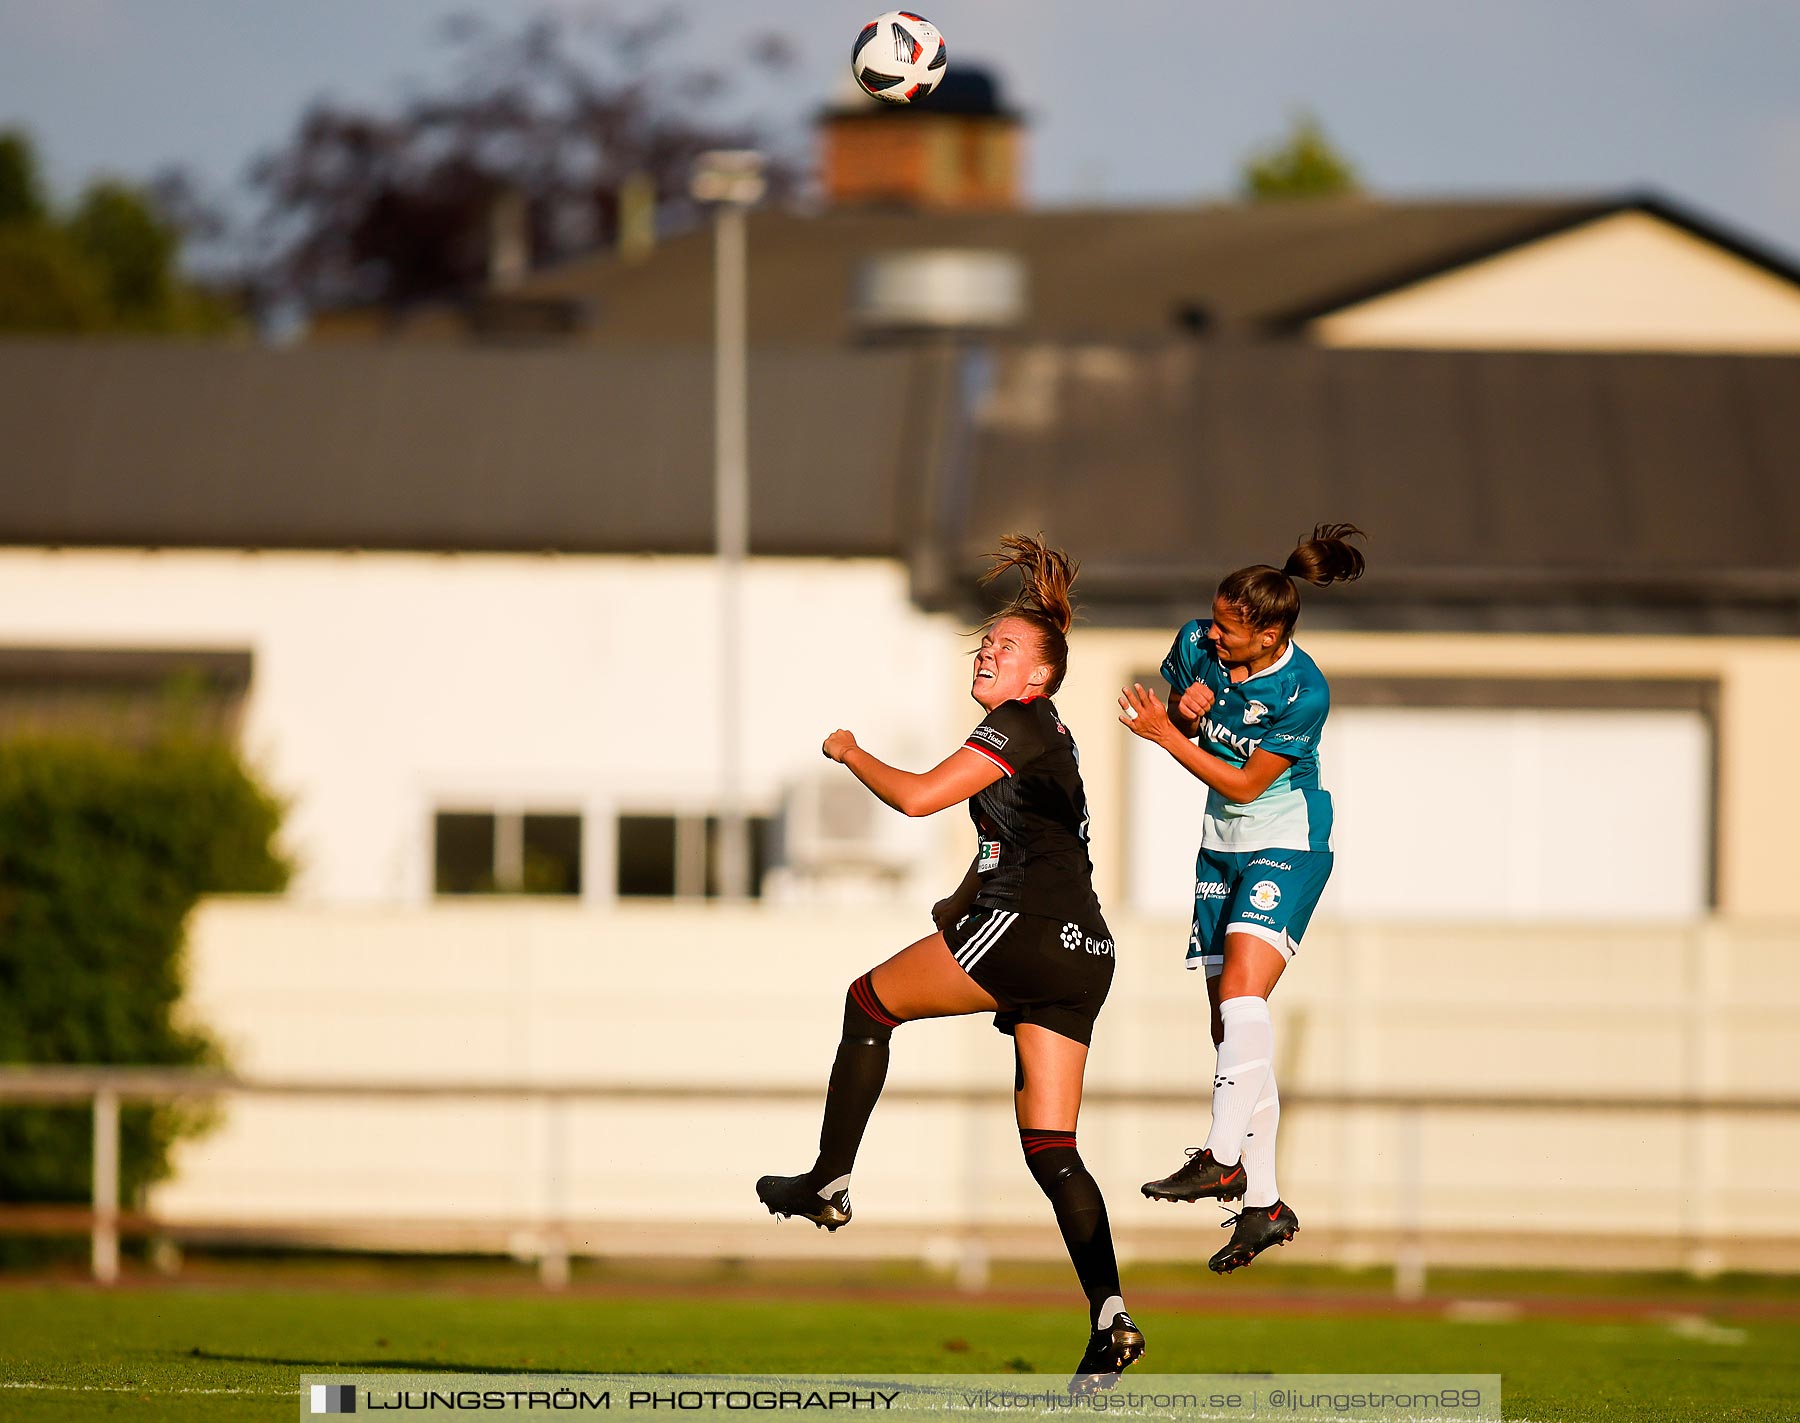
1327,557
1266,596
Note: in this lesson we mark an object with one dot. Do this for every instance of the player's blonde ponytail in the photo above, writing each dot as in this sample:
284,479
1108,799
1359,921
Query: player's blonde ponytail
1046,576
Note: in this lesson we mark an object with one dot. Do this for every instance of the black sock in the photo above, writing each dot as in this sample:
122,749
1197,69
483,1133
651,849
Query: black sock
857,1076
1080,1212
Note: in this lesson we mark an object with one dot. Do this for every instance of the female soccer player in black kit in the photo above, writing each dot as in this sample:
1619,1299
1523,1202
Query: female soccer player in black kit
1021,938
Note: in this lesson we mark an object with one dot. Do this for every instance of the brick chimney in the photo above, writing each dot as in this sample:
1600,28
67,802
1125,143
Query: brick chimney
959,149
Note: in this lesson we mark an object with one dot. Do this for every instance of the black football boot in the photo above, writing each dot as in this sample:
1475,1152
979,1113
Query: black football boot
1199,1178
796,1196
1110,1352
1253,1230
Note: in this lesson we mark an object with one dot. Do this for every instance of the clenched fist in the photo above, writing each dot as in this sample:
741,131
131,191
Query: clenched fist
1195,703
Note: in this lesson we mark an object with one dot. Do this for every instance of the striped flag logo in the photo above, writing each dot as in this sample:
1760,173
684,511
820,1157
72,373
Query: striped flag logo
334,1398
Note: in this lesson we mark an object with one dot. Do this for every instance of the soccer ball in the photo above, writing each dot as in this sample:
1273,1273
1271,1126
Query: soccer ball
899,57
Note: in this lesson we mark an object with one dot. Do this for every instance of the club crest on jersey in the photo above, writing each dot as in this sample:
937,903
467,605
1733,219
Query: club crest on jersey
1265,895
1254,713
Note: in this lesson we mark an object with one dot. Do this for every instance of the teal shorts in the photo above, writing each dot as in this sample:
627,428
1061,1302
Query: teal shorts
1270,894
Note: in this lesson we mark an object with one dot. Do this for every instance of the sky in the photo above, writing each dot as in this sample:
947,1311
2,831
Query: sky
1137,101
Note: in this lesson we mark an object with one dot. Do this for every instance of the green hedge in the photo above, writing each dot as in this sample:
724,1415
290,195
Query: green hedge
104,849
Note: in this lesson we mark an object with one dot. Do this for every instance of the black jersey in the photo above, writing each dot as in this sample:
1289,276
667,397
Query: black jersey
1033,821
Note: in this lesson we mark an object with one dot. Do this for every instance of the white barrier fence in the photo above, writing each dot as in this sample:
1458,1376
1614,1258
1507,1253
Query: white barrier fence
555,1232
455,1077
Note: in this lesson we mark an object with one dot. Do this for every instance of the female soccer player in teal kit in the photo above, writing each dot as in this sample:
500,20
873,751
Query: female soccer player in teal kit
1257,705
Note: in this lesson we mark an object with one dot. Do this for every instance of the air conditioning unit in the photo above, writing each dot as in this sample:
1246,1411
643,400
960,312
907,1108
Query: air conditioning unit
832,826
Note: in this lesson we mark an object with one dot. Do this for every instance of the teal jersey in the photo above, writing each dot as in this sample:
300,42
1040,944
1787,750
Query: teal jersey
1282,709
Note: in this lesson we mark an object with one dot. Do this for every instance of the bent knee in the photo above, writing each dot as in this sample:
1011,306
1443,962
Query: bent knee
866,1017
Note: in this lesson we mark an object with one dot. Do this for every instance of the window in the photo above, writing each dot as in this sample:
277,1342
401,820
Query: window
465,854
677,856
646,855
484,852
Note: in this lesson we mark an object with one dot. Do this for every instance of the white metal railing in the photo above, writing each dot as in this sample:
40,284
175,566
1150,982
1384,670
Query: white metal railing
105,1089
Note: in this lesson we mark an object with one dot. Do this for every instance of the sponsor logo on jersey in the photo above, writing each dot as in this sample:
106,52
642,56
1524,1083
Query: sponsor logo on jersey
1074,939
1265,894
1254,713
1272,864
989,858
1287,736
1257,918
1196,634
988,736
1210,889
1225,736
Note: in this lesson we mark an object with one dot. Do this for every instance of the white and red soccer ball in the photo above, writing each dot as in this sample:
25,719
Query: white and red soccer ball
899,57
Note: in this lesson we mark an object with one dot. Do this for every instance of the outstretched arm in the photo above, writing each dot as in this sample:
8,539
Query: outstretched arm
950,782
1143,715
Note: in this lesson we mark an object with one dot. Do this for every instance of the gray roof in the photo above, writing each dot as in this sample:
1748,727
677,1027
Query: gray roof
590,450
1100,274
1498,489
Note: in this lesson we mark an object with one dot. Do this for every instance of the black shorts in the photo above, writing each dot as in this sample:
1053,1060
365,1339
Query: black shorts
1045,971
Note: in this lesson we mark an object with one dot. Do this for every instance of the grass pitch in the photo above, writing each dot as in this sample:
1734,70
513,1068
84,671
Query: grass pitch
220,1350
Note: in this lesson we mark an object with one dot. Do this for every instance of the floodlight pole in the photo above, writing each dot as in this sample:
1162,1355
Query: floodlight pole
732,181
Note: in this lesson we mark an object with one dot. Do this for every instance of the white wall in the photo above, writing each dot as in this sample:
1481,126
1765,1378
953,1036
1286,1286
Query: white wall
388,685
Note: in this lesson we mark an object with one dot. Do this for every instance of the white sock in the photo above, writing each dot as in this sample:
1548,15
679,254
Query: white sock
1259,1148
1244,1059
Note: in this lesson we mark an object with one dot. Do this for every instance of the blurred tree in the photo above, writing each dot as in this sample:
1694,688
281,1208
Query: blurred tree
111,266
45,284
522,156
21,188
104,849
1303,164
131,248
